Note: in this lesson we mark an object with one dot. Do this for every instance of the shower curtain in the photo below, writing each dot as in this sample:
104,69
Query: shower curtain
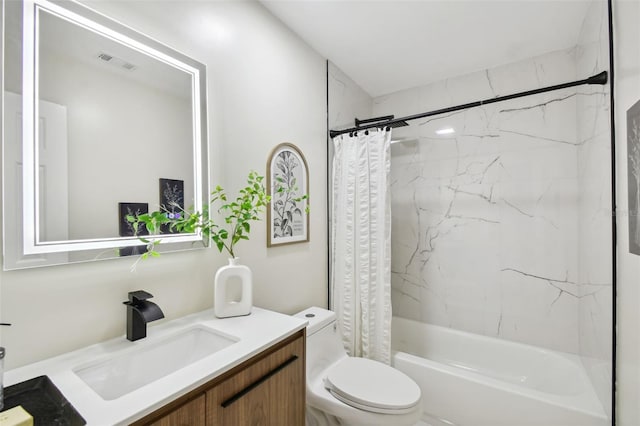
361,243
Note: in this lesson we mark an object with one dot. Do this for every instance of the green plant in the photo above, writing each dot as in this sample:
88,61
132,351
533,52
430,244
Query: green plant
237,214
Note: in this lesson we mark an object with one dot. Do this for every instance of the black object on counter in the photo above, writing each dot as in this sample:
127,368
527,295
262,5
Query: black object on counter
43,401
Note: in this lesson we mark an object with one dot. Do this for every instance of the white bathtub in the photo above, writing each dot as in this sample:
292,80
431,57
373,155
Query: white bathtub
473,380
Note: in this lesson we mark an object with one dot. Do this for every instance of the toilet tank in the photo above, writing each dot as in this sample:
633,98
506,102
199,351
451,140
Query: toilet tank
317,319
324,343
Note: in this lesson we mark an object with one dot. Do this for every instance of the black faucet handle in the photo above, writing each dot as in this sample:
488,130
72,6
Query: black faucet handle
138,296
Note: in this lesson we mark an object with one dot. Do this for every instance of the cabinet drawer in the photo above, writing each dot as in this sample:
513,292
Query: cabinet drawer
191,413
270,391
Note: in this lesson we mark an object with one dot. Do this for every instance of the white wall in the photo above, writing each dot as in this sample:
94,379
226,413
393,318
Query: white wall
627,93
266,86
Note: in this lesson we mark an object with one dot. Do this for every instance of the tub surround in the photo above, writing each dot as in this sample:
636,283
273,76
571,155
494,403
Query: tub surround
503,228
499,383
484,236
255,333
595,262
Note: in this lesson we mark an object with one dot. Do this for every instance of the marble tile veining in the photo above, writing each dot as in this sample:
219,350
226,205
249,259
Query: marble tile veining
485,228
594,212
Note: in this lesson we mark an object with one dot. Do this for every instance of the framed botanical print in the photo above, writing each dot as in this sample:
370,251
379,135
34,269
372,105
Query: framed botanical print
288,186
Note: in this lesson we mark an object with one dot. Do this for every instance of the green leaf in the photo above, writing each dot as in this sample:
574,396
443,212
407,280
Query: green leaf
234,214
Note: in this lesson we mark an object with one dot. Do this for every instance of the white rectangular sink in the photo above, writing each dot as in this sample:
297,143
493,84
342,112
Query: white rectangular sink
139,366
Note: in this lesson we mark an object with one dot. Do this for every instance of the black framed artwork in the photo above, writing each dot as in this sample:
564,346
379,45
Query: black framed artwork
126,228
171,201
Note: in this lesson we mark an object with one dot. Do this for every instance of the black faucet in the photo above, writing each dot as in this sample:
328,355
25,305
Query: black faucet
139,313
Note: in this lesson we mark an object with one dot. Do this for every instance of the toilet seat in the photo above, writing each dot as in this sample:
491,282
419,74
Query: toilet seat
372,386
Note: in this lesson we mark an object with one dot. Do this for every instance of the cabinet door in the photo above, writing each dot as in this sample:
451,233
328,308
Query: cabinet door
191,413
269,392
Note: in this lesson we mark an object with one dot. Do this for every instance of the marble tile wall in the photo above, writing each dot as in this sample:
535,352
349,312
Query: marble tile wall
594,209
485,220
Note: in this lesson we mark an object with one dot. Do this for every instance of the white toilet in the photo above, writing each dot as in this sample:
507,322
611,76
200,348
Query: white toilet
344,390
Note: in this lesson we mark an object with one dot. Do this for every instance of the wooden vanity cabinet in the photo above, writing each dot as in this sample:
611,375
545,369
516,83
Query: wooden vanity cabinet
268,389
191,413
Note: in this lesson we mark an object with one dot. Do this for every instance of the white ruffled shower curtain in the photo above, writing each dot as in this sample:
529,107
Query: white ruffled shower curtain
361,243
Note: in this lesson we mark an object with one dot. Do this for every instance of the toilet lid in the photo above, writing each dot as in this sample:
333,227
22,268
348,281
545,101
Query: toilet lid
372,386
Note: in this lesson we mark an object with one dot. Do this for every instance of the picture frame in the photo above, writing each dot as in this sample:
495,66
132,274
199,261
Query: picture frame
125,228
633,176
288,186
171,201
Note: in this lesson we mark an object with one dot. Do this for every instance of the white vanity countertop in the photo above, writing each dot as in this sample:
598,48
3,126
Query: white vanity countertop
256,332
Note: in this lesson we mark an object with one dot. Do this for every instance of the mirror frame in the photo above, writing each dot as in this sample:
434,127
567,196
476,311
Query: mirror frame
93,21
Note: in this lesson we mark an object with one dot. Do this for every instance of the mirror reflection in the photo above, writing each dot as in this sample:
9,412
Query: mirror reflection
116,106
118,128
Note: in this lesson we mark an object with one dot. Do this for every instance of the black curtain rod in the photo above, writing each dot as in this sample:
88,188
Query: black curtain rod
596,79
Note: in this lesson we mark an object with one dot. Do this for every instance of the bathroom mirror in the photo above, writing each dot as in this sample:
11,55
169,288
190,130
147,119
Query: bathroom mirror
100,121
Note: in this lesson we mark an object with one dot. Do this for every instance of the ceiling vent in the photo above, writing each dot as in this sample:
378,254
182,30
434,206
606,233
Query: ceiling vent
105,57
117,62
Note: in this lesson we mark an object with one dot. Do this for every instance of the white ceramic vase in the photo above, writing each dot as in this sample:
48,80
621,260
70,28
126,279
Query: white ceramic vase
229,280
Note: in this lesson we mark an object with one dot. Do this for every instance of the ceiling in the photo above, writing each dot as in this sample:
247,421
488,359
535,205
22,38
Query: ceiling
391,45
